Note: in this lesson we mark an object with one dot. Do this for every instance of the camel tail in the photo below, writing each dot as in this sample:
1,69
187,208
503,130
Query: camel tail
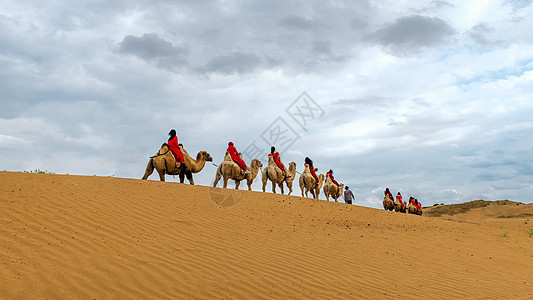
149,169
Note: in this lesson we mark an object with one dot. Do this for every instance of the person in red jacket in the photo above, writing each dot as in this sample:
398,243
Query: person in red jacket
388,193
236,158
399,198
174,148
418,204
330,174
309,162
277,160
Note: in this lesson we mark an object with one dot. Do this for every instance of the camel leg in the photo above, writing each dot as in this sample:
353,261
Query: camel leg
182,177
281,187
237,183
226,182
273,187
189,177
249,186
161,175
217,179
264,179
301,188
149,169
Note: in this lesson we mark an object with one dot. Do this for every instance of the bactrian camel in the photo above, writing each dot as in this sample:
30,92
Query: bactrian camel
412,209
231,170
400,206
292,173
308,183
331,189
163,162
273,173
192,165
388,203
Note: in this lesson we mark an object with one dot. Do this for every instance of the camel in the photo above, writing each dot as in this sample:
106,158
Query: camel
273,173
192,165
290,180
163,162
412,209
231,170
388,203
308,182
398,207
320,184
331,189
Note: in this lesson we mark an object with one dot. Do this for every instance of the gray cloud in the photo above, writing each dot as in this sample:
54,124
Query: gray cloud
435,5
410,34
233,63
297,22
151,47
480,35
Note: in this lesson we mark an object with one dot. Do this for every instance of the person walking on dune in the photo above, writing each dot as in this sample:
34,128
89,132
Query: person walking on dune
348,195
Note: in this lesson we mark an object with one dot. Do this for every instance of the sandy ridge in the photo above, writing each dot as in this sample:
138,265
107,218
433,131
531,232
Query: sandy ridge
65,236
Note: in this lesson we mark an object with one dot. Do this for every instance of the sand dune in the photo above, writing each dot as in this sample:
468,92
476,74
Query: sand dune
65,236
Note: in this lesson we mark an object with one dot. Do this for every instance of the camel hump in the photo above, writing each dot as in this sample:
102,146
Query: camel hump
227,156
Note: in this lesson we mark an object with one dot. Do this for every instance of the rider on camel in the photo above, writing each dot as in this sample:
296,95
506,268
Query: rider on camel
236,158
330,174
277,160
309,162
173,146
418,204
399,198
388,193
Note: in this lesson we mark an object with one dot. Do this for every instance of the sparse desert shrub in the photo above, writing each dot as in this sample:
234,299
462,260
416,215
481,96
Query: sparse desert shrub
505,234
530,232
38,171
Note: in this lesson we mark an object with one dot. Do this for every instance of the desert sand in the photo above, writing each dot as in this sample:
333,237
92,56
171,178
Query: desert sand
88,237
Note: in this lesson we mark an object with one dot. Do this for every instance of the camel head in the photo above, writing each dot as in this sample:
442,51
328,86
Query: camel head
292,166
320,179
204,155
256,163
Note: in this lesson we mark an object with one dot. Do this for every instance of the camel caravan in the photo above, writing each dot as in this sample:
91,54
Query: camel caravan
399,205
173,159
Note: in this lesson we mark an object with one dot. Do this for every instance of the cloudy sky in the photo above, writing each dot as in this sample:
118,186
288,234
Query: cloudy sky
430,98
